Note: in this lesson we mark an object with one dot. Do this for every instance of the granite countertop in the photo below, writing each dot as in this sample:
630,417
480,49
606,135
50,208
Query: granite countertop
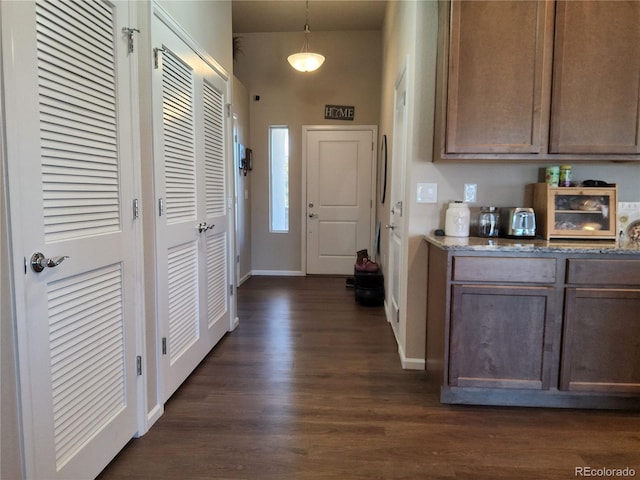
479,244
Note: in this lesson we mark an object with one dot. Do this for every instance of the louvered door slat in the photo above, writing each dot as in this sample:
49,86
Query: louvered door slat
70,16
88,167
76,68
178,139
52,90
95,74
79,95
59,111
76,332
176,72
91,15
214,150
183,298
102,147
50,30
217,280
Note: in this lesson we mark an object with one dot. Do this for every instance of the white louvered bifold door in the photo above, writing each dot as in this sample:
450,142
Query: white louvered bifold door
70,151
216,211
191,227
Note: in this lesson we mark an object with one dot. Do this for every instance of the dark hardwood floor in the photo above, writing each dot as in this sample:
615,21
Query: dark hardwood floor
309,386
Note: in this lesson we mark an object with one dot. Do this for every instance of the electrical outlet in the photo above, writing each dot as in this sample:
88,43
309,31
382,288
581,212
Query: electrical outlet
470,191
427,193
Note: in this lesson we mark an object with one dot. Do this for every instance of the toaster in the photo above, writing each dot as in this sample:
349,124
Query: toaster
517,222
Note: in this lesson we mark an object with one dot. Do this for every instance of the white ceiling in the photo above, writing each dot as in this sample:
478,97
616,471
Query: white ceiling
251,16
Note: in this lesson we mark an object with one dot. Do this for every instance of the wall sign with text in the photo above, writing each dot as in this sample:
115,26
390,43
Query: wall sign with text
339,112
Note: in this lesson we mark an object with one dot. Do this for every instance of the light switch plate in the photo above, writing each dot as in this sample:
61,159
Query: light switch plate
470,191
427,193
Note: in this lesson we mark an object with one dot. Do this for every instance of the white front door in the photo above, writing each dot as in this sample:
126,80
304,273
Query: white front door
71,160
339,206
396,203
192,224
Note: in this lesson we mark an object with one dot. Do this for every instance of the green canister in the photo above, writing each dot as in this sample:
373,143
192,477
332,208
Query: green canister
552,176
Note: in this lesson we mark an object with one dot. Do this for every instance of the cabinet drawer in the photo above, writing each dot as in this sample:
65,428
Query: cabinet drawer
504,269
598,272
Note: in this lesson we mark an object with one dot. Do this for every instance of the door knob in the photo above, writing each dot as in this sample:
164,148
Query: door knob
390,227
313,215
203,227
39,262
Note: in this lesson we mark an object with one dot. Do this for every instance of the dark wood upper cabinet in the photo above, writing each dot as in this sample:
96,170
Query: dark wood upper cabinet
596,78
539,80
498,83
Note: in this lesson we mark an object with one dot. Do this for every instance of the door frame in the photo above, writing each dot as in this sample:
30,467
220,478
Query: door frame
397,319
303,195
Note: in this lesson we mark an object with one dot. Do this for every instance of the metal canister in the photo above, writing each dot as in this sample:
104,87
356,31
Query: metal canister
488,222
565,175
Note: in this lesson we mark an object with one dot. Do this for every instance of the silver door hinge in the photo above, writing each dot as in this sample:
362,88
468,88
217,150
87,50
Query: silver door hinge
139,365
228,109
136,208
237,258
231,290
160,207
129,32
156,56
164,345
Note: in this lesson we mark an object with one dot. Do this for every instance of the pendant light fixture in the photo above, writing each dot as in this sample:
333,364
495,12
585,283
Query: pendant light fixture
306,61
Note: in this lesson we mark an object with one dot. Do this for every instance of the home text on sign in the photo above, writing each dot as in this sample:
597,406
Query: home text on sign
339,112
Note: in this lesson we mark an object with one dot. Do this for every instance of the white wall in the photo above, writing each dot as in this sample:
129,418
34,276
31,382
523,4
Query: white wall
350,76
208,23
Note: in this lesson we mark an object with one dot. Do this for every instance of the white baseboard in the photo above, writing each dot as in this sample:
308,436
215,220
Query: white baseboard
278,273
410,363
386,310
153,416
244,279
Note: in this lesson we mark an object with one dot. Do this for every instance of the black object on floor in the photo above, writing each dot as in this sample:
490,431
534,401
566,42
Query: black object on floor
351,282
369,288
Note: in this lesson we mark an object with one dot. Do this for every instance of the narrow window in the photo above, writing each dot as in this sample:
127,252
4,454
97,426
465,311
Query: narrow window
279,179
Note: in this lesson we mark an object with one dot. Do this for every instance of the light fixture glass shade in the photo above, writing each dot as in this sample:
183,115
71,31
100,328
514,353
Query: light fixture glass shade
306,61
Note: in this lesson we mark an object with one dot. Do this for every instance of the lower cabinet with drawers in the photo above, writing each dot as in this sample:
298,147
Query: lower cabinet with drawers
534,329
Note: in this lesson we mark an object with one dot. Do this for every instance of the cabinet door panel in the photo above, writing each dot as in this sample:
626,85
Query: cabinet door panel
601,349
596,78
498,336
497,85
